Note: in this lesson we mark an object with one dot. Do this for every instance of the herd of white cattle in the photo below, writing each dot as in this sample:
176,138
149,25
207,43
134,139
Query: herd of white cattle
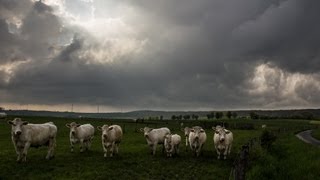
25,135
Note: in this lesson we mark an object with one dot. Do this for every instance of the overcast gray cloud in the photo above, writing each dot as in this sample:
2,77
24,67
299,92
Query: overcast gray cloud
172,54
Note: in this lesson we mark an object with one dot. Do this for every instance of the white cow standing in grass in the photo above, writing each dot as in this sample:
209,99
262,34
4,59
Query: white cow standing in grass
197,139
111,138
186,131
155,137
222,141
25,135
171,144
82,134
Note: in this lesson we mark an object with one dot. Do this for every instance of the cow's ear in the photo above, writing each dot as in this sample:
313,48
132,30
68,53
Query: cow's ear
191,130
227,131
110,128
217,132
10,122
202,130
213,128
78,125
68,125
150,129
182,129
99,128
25,123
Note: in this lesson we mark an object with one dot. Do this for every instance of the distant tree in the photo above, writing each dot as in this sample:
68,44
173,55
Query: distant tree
173,117
209,116
234,115
179,117
219,115
186,117
229,114
196,117
1,108
253,115
307,115
161,117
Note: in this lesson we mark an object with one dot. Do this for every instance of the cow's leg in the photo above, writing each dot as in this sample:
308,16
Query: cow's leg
163,149
89,144
81,145
225,153
25,151
218,152
19,154
104,145
71,146
18,150
177,149
117,148
51,147
229,148
86,144
154,148
112,148
187,144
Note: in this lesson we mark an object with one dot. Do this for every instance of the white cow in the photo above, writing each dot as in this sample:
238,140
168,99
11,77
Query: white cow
25,135
197,139
82,134
186,131
155,137
171,143
222,141
111,138
263,126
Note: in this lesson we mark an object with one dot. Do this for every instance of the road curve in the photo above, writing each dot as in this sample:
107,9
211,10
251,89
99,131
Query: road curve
307,137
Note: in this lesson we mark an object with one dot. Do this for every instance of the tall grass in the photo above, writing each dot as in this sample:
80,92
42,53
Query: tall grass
288,158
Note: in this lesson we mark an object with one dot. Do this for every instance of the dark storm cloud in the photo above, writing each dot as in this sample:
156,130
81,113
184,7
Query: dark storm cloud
199,54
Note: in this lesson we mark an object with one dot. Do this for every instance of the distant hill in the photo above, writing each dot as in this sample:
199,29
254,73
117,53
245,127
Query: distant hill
297,113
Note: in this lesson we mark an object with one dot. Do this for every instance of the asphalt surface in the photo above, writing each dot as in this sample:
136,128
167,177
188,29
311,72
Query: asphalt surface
307,137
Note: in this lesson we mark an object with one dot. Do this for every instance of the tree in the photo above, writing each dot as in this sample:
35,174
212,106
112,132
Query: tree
253,115
196,117
173,117
161,117
234,115
186,117
219,115
229,114
1,108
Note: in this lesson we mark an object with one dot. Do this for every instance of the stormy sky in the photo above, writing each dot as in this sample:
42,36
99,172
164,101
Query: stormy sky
160,55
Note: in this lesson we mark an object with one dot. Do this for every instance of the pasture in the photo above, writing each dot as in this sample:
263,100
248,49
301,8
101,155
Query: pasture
135,161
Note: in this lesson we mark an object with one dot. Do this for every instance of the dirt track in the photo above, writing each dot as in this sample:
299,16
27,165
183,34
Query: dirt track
307,137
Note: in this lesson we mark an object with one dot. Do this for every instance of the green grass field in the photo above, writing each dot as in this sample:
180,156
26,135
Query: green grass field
316,133
134,160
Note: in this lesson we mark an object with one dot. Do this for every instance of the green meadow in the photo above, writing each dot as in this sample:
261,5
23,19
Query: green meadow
287,158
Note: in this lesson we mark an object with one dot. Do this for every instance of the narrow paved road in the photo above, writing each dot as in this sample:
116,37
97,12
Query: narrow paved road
307,137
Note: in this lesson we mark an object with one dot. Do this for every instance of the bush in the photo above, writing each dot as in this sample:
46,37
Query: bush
267,138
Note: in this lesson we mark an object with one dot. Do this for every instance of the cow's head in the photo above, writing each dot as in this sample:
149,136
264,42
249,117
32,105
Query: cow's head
73,127
105,129
197,131
16,126
221,131
186,131
146,131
